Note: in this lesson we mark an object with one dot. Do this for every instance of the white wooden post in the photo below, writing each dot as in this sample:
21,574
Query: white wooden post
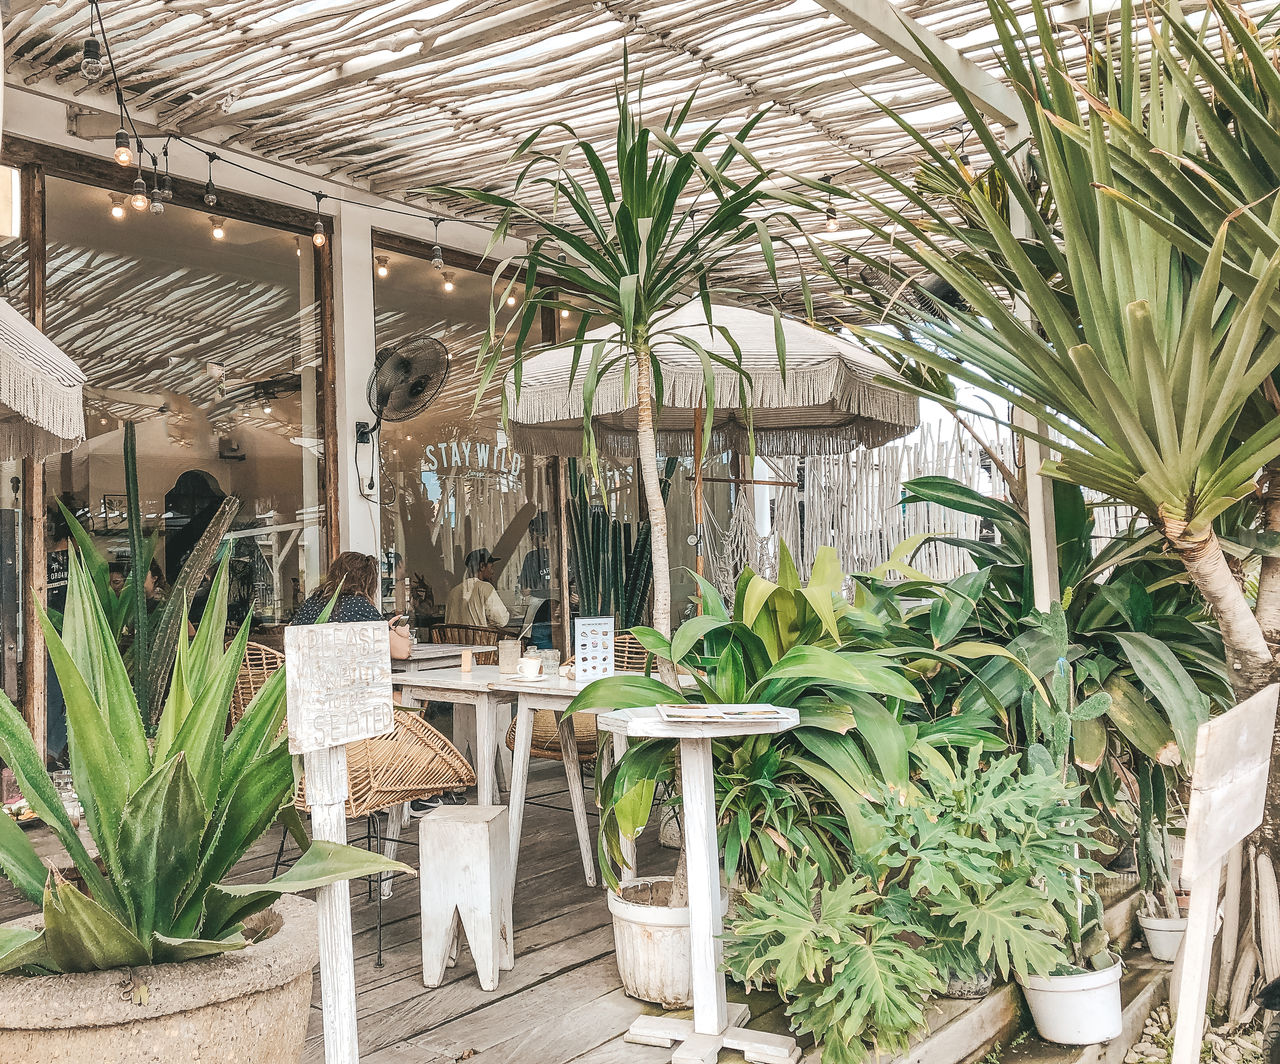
339,691
1228,792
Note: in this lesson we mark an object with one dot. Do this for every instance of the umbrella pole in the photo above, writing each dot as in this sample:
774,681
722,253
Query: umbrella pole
699,564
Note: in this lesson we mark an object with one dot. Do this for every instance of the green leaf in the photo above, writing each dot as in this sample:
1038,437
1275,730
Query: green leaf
1171,686
323,863
81,936
19,861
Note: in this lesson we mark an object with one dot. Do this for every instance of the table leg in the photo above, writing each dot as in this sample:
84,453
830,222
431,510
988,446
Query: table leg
397,817
486,753
628,845
710,1013
464,734
502,713
577,799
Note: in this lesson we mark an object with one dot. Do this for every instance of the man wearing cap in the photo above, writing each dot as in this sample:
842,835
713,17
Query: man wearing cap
476,601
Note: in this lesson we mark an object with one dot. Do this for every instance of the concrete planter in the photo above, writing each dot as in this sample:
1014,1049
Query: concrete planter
651,940
250,1005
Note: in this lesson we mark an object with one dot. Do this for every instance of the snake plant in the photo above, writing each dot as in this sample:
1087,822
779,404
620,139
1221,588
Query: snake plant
169,820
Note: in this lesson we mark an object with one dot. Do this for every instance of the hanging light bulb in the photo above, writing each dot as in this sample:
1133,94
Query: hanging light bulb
383,268
564,313
511,301
219,227
266,407
157,198
448,280
166,188
117,204
91,60
318,236
437,256
123,153
833,221
139,200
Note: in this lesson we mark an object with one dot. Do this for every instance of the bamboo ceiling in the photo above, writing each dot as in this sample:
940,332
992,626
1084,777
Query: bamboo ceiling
393,95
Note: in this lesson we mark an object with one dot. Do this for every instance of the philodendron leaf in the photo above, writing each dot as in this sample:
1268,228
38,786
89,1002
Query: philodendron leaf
324,863
82,936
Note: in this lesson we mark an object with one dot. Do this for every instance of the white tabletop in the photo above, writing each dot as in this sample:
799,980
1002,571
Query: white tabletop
647,723
543,685
478,681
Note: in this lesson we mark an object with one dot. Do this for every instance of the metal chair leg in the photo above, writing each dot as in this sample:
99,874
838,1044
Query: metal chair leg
275,868
375,884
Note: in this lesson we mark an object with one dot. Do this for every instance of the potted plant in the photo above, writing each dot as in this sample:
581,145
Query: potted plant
210,969
966,875
1160,916
804,790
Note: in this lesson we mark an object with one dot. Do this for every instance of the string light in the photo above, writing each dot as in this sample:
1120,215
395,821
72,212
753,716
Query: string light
383,268
123,153
437,256
318,236
266,407
166,182
833,220
157,197
564,313
117,204
91,60
210,192
511,301
448,280
219,227
139,201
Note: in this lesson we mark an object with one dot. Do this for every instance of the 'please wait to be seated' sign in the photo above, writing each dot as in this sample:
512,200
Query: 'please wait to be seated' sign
338,684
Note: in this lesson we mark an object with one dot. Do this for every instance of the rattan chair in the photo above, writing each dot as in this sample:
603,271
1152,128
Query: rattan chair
413,761
470,635
256,669
628,653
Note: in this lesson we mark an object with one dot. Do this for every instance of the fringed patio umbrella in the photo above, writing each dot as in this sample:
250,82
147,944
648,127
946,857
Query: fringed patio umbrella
828,402
41,400
834,397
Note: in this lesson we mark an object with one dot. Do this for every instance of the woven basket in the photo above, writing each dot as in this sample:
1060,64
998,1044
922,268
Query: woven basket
546,736
413,761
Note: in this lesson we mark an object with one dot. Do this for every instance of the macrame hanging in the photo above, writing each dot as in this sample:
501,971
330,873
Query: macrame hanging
736,548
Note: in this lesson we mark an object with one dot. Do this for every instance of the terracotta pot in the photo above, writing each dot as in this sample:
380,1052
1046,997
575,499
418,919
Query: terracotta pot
249,1005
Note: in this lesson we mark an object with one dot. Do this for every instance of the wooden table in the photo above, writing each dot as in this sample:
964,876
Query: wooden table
433,656
482,732
553,693
715,1024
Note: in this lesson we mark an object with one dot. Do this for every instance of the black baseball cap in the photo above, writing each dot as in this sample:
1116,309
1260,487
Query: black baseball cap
479,558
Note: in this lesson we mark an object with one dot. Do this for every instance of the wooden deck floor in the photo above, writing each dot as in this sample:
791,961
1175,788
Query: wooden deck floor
563,1000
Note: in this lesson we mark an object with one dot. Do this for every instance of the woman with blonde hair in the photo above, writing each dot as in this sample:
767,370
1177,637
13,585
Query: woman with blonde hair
355,578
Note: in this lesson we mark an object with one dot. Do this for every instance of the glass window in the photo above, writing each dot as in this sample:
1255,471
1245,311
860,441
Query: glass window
204,332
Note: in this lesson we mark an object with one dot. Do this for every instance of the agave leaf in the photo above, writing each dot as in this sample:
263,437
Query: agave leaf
20,754
164,821
82,936
20,948
323,863
175,950
19,861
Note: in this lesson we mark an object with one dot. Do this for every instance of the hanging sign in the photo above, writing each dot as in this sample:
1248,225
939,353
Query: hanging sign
338,684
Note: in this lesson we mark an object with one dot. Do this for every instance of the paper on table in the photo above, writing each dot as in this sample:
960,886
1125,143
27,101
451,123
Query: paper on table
693,714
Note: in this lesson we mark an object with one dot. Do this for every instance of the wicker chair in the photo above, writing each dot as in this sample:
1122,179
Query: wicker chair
413,761
256,669
628,653
470,635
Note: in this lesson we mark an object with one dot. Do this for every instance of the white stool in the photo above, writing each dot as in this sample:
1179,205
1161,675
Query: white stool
465,861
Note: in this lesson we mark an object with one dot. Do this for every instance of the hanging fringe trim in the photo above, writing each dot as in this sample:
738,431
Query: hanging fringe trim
42,389
833,383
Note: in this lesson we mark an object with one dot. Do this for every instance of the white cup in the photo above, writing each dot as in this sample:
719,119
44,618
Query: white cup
528,668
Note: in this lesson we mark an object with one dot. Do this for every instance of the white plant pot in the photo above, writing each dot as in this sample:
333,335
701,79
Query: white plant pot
652,943
1076,1010
1163,935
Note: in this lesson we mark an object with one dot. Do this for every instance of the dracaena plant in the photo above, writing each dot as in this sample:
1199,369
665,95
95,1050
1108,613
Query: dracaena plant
1137,315
634,225
169,820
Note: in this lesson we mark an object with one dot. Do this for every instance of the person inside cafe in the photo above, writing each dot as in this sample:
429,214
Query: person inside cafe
356,579
476,601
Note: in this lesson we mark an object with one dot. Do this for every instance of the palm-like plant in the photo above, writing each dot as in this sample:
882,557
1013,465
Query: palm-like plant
1140,339
169,820
640,236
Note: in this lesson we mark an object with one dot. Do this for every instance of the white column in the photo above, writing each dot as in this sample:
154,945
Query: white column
358,507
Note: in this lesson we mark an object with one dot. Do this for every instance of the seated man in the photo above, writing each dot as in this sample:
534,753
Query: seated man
475,601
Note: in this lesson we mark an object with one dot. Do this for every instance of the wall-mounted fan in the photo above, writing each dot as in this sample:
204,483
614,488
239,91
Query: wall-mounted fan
406,377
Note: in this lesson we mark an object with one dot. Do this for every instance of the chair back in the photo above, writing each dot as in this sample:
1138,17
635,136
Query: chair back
470,635
256,669
628,654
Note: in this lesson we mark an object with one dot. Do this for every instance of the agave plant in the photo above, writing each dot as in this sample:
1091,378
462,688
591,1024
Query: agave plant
170,821
644,233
